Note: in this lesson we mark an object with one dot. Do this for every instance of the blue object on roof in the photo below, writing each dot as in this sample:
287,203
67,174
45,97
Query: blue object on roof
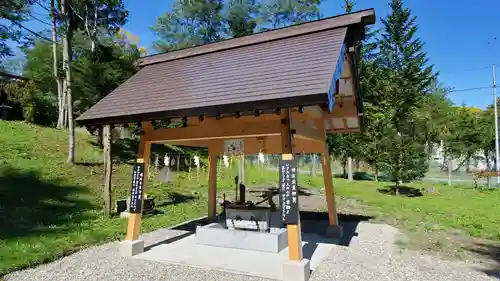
336,77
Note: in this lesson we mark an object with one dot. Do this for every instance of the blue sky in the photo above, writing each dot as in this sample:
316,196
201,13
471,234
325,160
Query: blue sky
460,38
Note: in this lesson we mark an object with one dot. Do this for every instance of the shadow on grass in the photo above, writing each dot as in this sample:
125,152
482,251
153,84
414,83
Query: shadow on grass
175,198
31,206
492,253
364,176
405,191
85,164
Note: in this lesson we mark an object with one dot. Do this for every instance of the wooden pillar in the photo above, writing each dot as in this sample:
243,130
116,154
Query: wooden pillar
327,177
329,191
143,155
294,230
212,183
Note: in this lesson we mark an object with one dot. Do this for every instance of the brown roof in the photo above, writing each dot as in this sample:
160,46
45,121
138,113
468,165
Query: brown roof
286,67
12,76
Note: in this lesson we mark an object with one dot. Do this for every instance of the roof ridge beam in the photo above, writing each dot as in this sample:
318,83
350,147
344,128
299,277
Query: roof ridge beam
364,17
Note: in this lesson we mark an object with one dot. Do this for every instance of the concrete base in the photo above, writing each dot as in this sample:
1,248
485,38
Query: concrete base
296,270
131,248
215,234
265,265
334,231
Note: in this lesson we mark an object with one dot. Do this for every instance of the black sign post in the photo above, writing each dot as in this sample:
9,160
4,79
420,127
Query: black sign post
137,189
289,198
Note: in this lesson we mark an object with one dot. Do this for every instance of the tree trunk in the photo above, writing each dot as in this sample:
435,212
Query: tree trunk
449,171
375,167
443,163
108,168
64,104
55,66
467,163
349,169
487,160
459,166
67,58
313,165
157,164
178,162
100,137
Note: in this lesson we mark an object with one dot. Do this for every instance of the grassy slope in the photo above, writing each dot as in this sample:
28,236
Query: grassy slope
49,208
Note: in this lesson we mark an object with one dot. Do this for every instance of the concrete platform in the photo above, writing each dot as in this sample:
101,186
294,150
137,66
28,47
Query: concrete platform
186,251
215,234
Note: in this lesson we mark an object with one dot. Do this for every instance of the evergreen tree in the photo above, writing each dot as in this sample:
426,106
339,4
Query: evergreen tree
406,68
282,13
242,17
402,52
343,146
190,23
12,15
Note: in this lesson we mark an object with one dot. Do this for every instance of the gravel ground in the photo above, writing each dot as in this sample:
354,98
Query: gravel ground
371,255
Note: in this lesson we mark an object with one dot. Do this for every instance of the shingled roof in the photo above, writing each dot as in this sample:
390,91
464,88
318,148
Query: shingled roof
281,68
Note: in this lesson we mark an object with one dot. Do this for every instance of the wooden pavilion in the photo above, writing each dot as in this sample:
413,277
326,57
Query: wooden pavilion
281,91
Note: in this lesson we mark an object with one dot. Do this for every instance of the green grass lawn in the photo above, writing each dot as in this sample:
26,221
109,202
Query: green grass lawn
476,212
49,208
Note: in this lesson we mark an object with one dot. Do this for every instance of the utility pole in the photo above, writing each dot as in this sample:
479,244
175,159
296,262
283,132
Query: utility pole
497,152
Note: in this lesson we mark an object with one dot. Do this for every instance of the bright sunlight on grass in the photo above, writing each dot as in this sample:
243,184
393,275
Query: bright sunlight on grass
49,208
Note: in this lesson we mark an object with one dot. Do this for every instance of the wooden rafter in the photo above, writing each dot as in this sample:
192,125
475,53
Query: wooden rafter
227,129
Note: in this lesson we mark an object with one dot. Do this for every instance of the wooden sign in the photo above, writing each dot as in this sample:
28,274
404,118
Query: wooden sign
137,189
233,147
289,193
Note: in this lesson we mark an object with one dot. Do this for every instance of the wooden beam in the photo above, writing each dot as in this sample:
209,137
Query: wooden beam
345,130
327,178
227,129
143,155
348,109
310,113
266,145
294,230
302,130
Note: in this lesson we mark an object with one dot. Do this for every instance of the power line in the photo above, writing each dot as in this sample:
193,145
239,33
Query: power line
32,32
469,89
42,6
39,20
465,70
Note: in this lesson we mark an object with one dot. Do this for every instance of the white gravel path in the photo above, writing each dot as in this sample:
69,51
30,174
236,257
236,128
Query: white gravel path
371,256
